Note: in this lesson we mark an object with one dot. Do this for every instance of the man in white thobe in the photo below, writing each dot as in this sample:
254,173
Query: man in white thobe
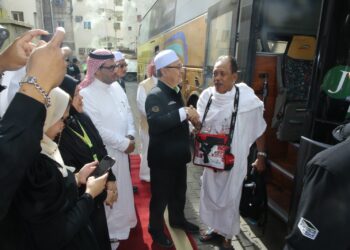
11,81
221,191
107,105
121,69
142,91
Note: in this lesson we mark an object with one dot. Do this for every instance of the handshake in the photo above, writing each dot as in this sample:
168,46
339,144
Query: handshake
192,116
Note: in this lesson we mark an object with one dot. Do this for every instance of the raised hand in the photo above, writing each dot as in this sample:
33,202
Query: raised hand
17,54
47,62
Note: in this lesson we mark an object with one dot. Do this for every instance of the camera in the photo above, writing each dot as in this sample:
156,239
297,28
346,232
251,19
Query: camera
4,34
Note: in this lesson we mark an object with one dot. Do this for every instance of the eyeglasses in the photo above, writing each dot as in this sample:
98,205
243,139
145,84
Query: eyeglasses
179,67
124,65
110,68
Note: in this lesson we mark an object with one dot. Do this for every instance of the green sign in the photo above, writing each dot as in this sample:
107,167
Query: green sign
336,83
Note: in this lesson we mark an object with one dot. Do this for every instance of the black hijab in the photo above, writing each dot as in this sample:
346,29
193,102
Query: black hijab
69,84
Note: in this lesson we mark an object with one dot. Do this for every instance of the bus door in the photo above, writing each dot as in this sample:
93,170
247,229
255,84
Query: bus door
330,93
221,34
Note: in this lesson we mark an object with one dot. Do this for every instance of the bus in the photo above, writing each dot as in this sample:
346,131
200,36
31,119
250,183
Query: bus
294,54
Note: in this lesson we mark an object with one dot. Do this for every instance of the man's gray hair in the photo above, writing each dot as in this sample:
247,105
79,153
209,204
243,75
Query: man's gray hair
159,73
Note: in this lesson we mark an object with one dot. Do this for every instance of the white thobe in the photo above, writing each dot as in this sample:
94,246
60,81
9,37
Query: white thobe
221,191
11,80
142,92
109,110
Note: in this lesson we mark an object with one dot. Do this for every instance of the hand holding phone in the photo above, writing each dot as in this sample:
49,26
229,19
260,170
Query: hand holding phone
104,166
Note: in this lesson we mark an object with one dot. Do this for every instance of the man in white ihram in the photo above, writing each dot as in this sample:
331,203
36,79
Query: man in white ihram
142,91
107,105
221,190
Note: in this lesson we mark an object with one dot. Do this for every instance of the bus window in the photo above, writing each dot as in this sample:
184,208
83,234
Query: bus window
221,33
219,39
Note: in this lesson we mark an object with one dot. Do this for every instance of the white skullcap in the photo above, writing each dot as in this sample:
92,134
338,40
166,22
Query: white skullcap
164,58
118,55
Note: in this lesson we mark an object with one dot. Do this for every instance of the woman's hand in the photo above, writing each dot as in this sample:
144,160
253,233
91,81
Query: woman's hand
85,172
94,186
17,54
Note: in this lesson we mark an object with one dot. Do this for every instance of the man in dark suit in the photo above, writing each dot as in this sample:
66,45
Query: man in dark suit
322,220
169,149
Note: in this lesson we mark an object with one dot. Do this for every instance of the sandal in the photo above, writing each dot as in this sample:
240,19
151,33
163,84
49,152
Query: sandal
209,236
226,245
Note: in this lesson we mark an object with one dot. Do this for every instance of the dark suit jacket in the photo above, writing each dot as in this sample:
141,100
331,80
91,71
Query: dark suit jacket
323,218
169,137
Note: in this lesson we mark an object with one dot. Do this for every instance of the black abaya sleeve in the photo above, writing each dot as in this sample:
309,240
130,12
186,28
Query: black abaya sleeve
21,130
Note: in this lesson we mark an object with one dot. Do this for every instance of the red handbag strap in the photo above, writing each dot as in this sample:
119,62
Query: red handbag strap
233,117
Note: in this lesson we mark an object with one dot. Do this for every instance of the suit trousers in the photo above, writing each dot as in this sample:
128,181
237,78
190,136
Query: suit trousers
168,188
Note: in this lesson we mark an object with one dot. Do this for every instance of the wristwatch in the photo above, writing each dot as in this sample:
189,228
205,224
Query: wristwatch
263,154
29,79
130,137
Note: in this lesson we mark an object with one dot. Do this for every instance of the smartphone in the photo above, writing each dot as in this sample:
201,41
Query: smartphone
104,166
4,34
46,38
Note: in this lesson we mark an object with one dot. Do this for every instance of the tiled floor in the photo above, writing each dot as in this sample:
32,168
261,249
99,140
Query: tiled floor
245,240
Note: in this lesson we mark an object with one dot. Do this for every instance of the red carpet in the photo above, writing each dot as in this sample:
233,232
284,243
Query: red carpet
139,238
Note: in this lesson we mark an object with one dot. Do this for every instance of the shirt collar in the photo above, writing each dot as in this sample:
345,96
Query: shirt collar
177,89
101,84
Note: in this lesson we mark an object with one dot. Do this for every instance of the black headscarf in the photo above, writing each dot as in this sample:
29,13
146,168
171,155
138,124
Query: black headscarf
69,84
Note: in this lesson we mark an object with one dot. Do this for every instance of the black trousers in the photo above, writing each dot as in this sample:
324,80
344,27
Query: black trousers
168,188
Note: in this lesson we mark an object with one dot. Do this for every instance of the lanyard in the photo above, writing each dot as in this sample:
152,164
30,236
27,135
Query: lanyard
84,138
233,117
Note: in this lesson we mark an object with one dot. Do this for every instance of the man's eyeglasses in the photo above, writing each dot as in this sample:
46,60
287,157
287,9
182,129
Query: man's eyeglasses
124,65
179,67
110,68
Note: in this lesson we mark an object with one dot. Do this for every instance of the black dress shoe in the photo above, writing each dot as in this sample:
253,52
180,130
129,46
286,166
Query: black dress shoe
187,226
162,240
